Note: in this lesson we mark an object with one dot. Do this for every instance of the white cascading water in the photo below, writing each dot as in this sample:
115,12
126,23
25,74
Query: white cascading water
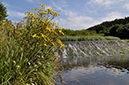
94,48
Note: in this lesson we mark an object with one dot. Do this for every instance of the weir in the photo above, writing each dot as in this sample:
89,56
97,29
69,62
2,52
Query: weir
94,48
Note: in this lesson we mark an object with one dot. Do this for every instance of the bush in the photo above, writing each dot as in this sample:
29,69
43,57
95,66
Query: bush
3,12
27,50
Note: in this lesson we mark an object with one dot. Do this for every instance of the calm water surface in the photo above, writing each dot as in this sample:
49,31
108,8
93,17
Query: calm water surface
103,70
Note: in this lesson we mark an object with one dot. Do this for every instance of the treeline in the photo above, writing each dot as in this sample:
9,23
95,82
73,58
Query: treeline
69,32
118,28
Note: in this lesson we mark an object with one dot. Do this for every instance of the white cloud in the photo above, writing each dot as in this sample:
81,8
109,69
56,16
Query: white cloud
126,6
73,19
30,1
6,4
112,16
78,22
104,2
16,14
60,5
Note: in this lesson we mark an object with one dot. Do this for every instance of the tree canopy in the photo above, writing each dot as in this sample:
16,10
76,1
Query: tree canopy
118,28
3,11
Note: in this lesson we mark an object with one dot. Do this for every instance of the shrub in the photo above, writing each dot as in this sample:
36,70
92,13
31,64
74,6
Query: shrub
27,50
3,12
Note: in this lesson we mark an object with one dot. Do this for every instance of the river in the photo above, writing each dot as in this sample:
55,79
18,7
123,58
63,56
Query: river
97,70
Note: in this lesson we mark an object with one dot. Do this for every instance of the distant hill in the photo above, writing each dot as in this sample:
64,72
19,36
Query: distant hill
117,27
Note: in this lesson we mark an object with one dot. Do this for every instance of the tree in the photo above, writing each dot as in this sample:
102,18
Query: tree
3,12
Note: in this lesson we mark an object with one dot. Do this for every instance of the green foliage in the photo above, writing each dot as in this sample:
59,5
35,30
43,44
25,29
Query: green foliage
69,32
3,12
127,40
87,38
27,52
118,28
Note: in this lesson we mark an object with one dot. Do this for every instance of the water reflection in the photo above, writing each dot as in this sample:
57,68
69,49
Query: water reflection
103,70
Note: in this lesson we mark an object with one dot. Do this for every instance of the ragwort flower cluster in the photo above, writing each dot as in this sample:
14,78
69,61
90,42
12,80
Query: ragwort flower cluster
43,26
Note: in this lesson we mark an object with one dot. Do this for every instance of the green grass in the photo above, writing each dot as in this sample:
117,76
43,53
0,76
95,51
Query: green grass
127,40
21,65
87,38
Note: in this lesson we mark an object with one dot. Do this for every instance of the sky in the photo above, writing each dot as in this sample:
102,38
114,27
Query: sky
75,14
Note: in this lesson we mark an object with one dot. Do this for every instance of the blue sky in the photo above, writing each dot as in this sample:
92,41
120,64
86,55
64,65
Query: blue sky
75,14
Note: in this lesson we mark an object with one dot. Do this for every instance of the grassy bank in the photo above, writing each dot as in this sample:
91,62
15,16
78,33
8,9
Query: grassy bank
87,38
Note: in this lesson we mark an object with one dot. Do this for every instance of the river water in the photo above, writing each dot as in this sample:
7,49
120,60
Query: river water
98,70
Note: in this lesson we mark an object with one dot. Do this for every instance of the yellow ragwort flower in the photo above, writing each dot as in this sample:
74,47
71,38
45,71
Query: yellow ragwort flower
4,23
53,43
54,31
59,42
64,28
38,36
35,17
5,14
32,14
42,35
63,45
57,25
61,32
49,9
43,21
42,5
48,29
45,44
34,35
33,20
34,8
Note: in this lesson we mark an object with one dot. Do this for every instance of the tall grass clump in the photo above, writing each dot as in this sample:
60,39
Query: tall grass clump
27,49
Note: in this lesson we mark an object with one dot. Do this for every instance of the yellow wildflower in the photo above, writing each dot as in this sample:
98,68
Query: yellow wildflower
49,9
43,21
33,20
48,29
54,31
59,42
35,17
57,25
38,36
5,14
39,9
53,43
64,28
45,44
55,13
34,8
42,5
44,36
61,32
34,35
63,45
32,14
4,23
